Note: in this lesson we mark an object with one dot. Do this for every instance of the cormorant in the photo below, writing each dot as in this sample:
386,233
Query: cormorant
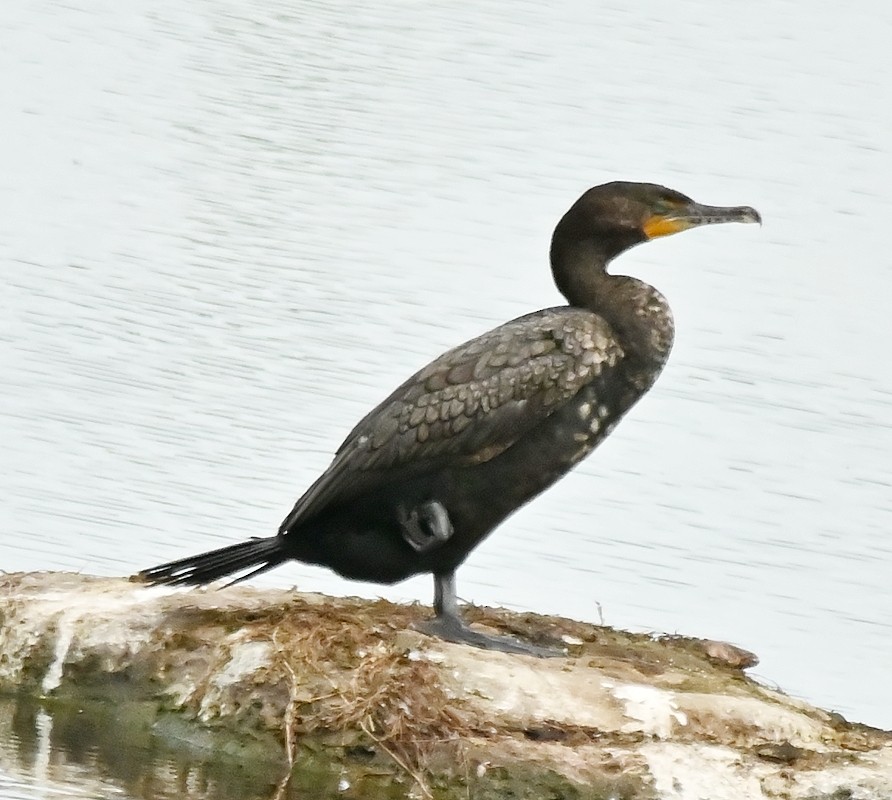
487,426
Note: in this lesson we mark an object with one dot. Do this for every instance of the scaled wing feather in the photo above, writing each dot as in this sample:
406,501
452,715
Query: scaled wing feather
470,404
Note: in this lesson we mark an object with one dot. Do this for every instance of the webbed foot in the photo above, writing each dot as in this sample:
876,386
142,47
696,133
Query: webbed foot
453,629
426,527
449,626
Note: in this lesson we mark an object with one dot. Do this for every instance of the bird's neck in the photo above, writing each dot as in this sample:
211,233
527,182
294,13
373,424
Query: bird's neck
634,309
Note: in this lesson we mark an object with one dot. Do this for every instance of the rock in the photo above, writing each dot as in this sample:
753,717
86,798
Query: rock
349,682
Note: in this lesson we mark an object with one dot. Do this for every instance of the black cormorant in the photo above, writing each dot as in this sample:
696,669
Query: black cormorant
487,426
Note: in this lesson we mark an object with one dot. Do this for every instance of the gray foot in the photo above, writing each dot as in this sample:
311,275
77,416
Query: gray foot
452,629
426,527
448,625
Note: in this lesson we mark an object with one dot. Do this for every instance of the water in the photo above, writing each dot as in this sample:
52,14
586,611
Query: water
228,231
102,752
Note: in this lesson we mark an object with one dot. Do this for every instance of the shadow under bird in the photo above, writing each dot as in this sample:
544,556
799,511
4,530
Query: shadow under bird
481,430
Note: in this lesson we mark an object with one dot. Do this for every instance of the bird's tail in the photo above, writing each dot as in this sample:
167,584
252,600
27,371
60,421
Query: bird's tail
261,554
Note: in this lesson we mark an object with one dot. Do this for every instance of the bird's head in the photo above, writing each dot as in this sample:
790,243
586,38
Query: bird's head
615,216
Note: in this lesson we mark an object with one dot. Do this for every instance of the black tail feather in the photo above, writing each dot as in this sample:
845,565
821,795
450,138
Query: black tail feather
261,554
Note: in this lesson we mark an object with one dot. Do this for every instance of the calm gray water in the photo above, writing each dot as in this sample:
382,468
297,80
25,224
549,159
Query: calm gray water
229,229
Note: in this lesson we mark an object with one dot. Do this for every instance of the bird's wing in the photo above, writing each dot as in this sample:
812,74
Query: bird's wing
468,405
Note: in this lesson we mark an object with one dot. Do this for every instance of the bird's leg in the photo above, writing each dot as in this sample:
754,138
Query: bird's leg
448,625
426,527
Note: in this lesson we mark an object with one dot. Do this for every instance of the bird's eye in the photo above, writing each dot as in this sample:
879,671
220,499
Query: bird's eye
665,207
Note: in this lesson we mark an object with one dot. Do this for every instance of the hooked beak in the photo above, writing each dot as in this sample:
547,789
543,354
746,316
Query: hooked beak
693,215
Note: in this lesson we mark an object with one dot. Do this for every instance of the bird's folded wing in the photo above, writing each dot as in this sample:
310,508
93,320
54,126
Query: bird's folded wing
468,405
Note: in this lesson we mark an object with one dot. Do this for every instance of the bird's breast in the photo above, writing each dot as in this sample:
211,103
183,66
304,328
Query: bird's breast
541,457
